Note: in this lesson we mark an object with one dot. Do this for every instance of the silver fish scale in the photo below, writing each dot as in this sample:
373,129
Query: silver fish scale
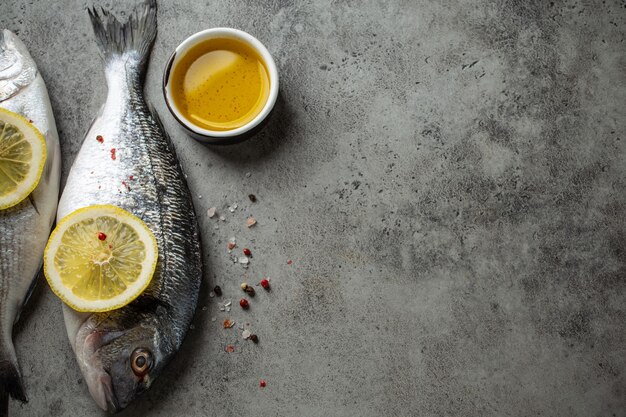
15,251
158,194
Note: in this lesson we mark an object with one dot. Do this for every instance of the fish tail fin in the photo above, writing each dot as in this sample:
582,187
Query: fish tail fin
10,377
133,36
4,404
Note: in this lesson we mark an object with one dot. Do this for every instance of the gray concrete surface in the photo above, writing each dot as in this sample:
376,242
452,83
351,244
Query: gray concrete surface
448,178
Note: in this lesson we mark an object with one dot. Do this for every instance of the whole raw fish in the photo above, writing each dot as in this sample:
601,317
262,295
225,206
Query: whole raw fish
24,228
127,160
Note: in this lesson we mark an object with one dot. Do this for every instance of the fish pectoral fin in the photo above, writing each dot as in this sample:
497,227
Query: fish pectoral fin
31,289
32,201
10,377
50,158
150,303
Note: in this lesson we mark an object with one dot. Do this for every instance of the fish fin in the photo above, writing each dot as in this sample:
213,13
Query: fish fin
4,403
50,158
32,201
135,35
10,377
148,302
31,290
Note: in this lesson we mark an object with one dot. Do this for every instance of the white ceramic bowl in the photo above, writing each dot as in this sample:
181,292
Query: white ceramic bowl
226,136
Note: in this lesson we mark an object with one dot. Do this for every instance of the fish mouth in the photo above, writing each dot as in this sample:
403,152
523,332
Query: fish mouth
103,394
96,376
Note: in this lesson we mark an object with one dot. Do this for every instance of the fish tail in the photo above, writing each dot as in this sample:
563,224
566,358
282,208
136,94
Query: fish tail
10,377
4,404
134,36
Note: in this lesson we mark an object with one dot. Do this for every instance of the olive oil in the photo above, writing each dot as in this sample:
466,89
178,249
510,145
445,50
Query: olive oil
220,84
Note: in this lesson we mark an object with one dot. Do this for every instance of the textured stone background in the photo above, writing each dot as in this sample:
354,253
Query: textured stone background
448,178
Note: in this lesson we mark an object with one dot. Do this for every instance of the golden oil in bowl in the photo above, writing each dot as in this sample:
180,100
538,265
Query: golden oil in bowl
220,84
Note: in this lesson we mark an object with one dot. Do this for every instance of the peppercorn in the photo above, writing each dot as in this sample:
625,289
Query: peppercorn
247,252
248,289
244,303
217,290
102,236
252,198
262,383
254,338
265,283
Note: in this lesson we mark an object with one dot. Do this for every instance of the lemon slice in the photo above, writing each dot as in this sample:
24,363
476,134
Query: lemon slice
22,157
100,258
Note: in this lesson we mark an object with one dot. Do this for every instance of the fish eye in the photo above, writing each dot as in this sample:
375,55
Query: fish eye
141,361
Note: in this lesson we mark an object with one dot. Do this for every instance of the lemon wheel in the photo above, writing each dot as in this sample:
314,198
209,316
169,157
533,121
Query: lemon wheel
22,158
100,258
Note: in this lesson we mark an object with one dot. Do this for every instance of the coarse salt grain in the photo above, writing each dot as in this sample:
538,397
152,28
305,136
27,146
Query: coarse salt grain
251,222
246,334
211,212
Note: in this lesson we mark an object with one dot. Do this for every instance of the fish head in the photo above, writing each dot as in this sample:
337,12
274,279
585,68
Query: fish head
118,362
17,68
